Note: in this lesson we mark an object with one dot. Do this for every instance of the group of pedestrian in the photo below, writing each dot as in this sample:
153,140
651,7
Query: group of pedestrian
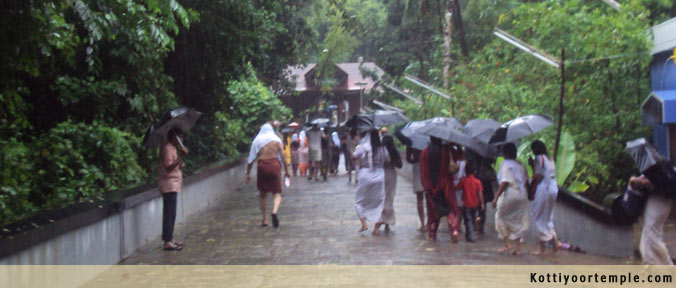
313,151
452,185
316,153
511,200
455,183
319,152
459,184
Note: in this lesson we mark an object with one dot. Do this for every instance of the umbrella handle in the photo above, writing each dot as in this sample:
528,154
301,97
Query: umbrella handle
180,142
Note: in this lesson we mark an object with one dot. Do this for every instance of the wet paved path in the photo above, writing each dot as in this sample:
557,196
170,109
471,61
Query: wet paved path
319,226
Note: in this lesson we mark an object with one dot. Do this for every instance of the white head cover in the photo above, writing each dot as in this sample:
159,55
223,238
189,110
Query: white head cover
365,148
265,136
302,137
336,140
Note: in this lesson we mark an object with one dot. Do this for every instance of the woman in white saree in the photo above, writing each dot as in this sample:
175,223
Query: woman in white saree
511,201
544,171
369,199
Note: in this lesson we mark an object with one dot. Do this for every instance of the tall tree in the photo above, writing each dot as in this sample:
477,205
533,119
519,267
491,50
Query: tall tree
461,29
448,38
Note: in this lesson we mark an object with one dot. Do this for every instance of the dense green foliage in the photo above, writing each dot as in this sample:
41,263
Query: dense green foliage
73,70
221,62
231,128
602,97
81,81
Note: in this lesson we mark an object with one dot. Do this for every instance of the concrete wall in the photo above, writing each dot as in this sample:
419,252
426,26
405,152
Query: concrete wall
115,237
592,235
575,226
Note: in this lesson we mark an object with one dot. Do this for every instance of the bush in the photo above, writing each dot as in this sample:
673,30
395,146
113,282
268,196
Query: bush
16,180
241,110
77,161
249,99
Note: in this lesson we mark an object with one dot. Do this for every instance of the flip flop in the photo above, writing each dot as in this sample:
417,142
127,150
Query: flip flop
172,247
275,221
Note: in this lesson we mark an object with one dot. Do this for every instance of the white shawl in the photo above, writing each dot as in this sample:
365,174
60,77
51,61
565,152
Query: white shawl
302,137
516,168
265,136
336,140
364,149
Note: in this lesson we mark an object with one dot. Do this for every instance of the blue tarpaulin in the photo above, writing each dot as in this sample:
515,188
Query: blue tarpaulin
660,108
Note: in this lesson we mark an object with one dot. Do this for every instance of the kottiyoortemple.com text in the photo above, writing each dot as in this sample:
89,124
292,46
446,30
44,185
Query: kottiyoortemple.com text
627,278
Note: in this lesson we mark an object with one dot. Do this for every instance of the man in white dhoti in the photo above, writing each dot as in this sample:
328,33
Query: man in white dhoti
655,214
511,201
315,136
369,199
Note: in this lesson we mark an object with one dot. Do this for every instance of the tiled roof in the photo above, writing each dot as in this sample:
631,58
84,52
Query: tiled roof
297,74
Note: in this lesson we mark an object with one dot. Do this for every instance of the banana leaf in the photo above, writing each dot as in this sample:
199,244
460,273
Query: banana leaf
565,160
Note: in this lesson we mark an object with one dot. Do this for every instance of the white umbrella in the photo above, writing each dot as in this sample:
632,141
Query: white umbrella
520,127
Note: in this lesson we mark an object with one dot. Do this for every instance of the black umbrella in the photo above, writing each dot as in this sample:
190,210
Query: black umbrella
520,127
643,154
376,120
448,129
287,130
410,136
654,166
482,130
182,118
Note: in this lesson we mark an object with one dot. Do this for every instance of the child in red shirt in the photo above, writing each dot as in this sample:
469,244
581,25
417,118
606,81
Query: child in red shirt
472,199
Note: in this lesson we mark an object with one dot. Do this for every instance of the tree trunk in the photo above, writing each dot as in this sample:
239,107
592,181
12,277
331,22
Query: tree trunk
440,11
612,98
421,37
461,29
638,83
448,38
563,91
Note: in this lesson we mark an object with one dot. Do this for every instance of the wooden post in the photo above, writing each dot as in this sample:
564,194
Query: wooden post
563,89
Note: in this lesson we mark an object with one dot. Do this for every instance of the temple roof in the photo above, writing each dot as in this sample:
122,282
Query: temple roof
298,74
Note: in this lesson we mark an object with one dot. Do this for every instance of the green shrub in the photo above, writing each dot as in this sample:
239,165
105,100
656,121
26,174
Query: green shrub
16,180
77,161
